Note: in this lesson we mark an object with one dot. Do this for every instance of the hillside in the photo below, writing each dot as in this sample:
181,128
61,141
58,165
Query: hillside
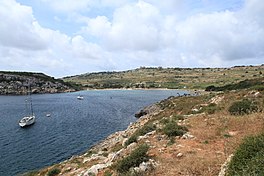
193,135
17,83
172,78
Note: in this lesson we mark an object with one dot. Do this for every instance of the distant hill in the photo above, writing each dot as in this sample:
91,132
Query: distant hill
171,78
17,83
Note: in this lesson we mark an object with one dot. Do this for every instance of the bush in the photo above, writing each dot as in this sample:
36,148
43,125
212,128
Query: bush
242,107
246,84
173,129
131,139
211,108
248,158
140,132
136,157
53,172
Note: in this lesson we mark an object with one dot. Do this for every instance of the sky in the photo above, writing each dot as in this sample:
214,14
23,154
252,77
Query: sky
70,37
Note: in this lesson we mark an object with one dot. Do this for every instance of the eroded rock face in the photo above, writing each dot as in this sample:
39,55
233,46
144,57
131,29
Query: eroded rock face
147,110
18,84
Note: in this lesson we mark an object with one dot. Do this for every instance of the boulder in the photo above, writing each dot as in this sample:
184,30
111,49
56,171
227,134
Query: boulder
95,169
147,110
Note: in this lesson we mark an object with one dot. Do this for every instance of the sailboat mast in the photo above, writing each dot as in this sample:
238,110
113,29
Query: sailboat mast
30,99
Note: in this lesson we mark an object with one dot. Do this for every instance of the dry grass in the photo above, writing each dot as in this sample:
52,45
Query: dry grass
196,78
215,139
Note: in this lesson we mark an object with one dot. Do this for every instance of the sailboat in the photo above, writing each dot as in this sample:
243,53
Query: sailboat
29,119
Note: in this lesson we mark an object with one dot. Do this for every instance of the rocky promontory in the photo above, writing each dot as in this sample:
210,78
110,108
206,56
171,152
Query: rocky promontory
18,83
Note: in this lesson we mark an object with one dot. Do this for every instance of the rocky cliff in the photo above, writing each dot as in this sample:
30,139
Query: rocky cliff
18,83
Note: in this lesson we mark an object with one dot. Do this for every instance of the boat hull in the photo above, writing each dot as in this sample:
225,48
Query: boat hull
27,121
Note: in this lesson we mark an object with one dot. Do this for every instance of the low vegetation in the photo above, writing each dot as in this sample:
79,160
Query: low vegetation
256,84
173,129
171,78
134,159
243,107
53,172
140,132
248,158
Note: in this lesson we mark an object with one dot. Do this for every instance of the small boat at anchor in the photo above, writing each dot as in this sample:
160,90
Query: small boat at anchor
29,119
80,97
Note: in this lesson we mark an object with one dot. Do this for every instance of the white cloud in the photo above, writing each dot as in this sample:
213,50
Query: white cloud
98,26
26,45
226,35
134,27
82,49
128,34
220,37
18,27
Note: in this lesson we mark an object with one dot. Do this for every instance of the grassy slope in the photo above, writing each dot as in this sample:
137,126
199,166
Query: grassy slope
197,78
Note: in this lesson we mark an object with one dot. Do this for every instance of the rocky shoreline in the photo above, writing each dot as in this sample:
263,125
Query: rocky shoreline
110,142
16,83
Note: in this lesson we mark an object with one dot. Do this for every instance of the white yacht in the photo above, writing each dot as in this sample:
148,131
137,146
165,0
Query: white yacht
26,121
29,119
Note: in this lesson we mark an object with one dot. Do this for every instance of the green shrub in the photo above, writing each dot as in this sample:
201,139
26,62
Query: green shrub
173,129
242,107
258,87
136,157
131,139
140,132
211,108
248,158
164,121
108,173
246,84
53,172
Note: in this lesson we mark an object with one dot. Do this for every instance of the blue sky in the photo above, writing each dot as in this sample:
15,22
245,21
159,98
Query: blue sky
68,37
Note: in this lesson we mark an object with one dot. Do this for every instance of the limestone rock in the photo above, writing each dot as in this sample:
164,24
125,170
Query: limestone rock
187,136
147,110
95,168
225,166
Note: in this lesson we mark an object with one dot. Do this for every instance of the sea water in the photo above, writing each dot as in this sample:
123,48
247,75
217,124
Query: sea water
73,126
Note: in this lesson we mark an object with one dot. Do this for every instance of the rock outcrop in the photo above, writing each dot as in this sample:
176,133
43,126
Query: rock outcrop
18,83
147,110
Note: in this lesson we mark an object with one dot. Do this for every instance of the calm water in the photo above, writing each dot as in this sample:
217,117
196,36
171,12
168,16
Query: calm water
73,127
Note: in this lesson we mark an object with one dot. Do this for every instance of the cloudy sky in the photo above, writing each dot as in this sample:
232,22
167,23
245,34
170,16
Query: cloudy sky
69,37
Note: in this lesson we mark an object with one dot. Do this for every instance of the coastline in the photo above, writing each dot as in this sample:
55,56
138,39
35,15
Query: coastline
109,142
116,138
202,148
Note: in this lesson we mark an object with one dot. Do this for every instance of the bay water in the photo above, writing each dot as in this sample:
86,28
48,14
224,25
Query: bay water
73,126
